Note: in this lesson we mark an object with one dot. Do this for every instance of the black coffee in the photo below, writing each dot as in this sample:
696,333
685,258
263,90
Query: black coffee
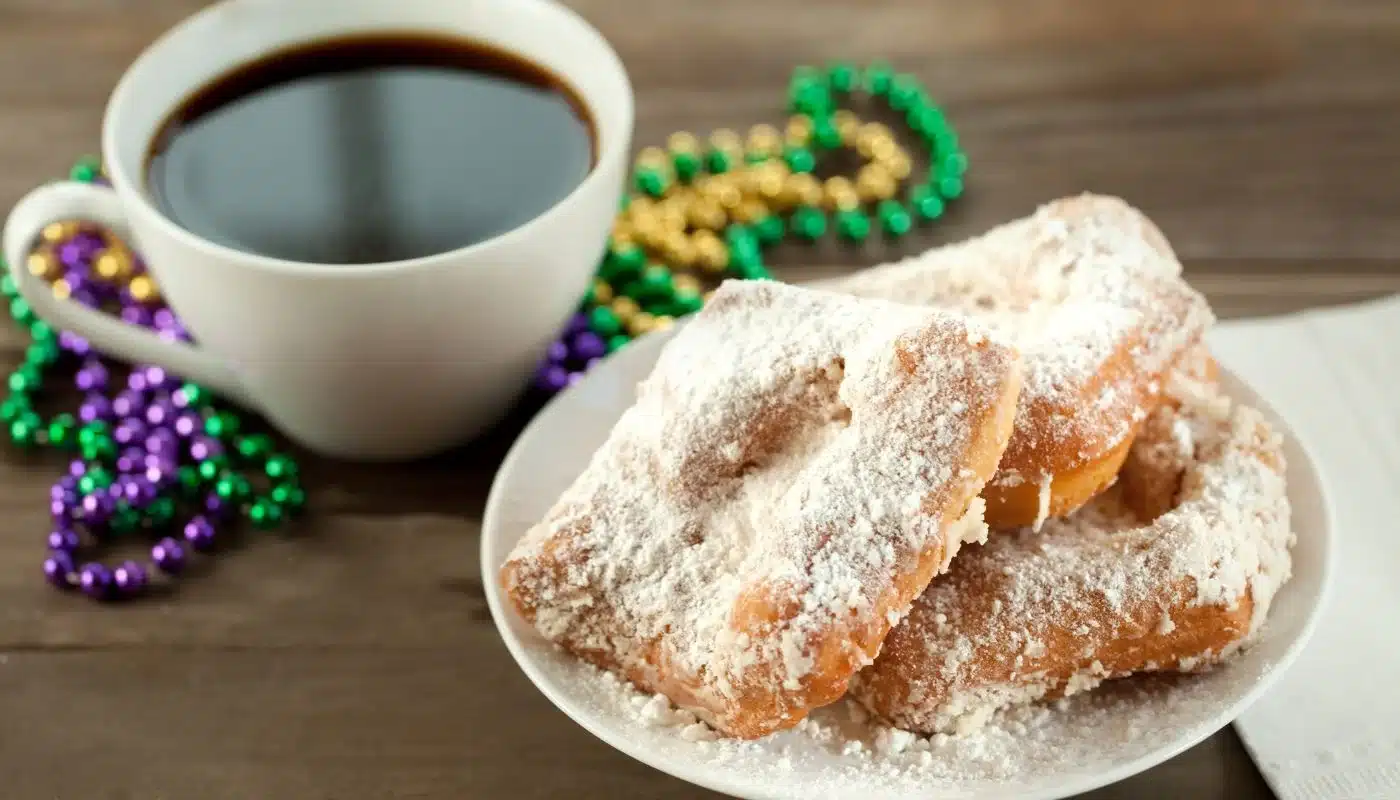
372,148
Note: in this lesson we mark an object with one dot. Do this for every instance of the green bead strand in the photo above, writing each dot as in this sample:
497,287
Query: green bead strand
853,225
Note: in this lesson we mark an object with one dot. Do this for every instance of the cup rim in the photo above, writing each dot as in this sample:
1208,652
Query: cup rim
609,151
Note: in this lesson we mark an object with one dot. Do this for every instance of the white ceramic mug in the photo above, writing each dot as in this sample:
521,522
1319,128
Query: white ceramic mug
378,361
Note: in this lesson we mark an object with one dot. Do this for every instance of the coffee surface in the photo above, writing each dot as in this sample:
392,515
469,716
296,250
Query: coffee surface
370,149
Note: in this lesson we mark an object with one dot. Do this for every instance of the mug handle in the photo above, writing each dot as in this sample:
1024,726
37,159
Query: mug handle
68,200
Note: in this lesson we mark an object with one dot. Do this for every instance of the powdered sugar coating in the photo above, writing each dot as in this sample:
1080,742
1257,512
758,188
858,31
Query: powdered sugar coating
1100,594
1092,295
788,479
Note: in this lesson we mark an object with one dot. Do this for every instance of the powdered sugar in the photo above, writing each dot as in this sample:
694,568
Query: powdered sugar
842,752
1098,582
748,533
1092,295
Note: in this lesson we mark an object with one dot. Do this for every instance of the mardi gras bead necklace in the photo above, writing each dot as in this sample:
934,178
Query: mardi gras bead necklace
701,211
153,456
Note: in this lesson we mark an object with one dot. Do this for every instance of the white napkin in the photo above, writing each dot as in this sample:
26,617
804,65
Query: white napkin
1331,729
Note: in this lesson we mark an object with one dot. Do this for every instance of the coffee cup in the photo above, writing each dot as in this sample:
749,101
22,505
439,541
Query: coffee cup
387,360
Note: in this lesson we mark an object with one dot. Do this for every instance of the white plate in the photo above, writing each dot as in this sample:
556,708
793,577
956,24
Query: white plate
1152,720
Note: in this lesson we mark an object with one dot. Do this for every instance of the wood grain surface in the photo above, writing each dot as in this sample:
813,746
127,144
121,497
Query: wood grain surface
356,659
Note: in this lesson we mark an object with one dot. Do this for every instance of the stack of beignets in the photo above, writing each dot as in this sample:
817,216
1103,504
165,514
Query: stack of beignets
781,517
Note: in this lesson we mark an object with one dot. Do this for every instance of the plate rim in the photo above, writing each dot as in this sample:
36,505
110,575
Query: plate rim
715,780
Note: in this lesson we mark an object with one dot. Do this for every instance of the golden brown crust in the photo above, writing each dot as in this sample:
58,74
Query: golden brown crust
1091,291
1128,584
791,477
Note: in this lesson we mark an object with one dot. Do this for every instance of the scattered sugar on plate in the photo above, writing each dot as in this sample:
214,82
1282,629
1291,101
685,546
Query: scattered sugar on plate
842,752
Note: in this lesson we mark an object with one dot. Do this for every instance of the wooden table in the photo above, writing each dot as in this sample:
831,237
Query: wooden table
357,659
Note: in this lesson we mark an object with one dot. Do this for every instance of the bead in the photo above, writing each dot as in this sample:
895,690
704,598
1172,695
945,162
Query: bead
114,264
42,352
127,403
678,249
280,468
664,322
169,556
87,169
841,77
847,124
825,136
950,187
551,378
654,282
142,289
798,131
58,569
811,99
897,164
204,448
64,539
719,161
199,533
589,345
799,159
894,218
802,189
765,140
726,140
189,395
688,284
651,181
874,183
187,423
95,408
57,232
750,210
710,252
24,431
904,92
877,78
129,579
871,136
188,479
604,322
640,324
625,308
22,313
13,407
43,264
232,488
26,378
769,229
617,342
161,511
264,514
290,497
707,213
954,164
97,508
253,446
95,580
768,180
808,222
682,142
853,225
840,193
92,377
221,424
61,289
686,166
160,412
601,292
652,158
